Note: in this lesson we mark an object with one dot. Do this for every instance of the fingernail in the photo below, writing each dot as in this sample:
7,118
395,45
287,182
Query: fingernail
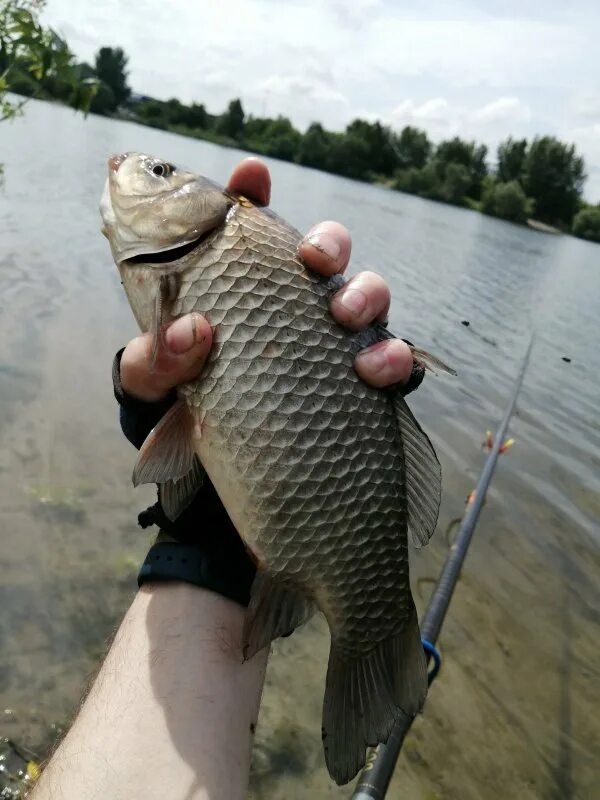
325,243
180,336
353,300
373,359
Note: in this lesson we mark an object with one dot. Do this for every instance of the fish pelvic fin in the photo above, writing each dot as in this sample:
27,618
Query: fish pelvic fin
168,452
364,697
274,610
423,475
176,495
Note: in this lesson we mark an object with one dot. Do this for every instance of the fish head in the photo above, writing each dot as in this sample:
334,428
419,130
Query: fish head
150,206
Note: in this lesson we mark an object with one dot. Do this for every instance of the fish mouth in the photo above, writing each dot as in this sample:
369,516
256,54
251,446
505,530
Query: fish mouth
172,254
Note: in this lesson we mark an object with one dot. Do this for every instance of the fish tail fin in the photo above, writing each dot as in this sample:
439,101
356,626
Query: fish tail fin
365,696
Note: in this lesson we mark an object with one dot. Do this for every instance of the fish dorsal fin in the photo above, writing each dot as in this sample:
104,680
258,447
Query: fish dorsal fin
423,475
274,610
167,453
176,495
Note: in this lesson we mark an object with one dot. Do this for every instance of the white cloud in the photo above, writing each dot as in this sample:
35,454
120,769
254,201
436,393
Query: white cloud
509,109
436,116
296,86
495,52
587,105
492,122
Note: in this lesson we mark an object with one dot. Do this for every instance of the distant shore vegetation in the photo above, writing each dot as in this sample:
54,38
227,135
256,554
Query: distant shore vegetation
541,179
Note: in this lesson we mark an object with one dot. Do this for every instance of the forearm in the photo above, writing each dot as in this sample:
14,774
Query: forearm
172,710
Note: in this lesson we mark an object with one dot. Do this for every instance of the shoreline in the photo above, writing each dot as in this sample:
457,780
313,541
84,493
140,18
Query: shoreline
386,182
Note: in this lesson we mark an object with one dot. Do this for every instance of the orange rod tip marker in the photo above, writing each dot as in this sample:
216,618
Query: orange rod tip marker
489,443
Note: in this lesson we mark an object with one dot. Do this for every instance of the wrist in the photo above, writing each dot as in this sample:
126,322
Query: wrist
195,617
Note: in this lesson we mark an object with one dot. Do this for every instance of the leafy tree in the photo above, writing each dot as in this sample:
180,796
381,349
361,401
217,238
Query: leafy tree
413,148
553,175
457,181
196,116
21,82
104,100
231,123
506,200
349,155
381,156
255,128
111,65
152,112
273,137
586,223
315,147
33,59
425,182
36,61
467,154
511,160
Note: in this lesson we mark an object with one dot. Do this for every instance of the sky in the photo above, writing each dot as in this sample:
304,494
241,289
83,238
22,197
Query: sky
482,69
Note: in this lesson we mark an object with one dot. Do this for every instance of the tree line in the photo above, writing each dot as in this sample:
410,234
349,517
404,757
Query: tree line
542,179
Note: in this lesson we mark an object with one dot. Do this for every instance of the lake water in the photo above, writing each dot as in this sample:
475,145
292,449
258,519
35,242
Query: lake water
514,712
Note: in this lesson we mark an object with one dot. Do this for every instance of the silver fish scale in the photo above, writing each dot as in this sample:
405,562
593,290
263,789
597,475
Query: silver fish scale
313,454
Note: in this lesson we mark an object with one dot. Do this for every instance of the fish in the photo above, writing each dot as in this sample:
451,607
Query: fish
324,477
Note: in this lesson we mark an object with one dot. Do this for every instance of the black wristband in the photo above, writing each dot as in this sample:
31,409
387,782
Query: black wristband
173,561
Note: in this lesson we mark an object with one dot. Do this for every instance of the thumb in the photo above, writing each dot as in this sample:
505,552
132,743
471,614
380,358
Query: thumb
183,348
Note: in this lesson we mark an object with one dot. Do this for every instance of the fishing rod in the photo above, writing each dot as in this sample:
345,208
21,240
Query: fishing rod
376,776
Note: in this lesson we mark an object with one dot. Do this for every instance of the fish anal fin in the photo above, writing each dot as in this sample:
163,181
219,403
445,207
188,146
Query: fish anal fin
365,696
168,452
176,495
274,610
423,475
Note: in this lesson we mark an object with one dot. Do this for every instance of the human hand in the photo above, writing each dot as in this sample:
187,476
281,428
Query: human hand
365,298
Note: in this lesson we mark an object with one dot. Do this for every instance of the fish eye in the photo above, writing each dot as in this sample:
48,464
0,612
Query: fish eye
162,170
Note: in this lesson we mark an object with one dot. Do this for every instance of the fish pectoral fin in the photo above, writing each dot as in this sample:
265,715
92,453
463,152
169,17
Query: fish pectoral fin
274,610
429,361
423,475
176,495
168,286
378,332
364,696
167,453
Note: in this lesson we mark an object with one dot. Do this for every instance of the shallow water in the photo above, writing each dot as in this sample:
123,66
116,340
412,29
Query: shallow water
514,711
